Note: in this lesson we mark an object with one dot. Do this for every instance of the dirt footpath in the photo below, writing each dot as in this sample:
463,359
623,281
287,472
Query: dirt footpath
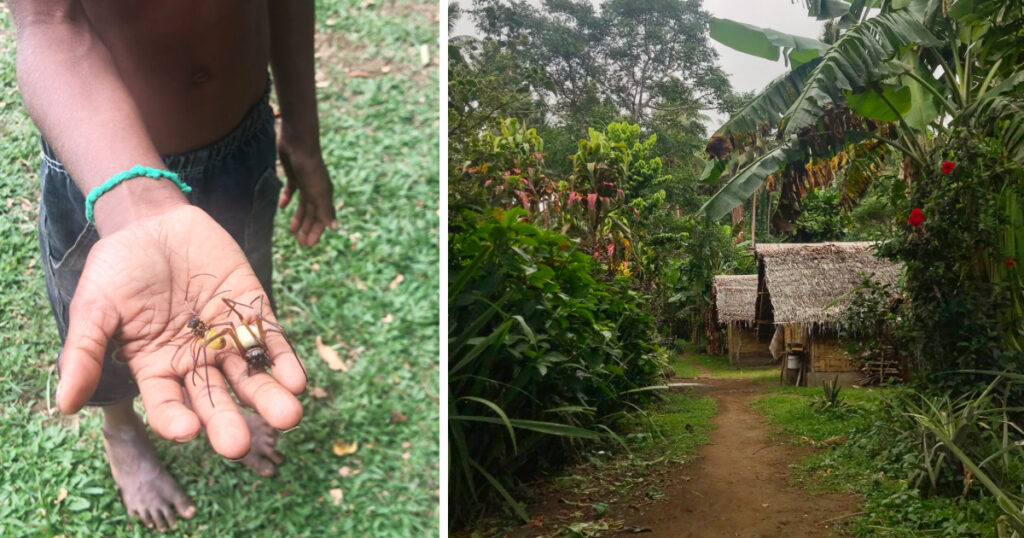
739,483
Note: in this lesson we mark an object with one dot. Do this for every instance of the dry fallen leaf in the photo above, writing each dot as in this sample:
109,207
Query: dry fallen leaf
330,355
405,456
336,496
345,471
61,495
424,56
341,448
317,392
398,418
360,74
398,280
406,445
316,266
388,318
385,69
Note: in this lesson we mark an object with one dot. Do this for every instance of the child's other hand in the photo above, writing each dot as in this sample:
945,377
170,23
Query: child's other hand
132,292
307,174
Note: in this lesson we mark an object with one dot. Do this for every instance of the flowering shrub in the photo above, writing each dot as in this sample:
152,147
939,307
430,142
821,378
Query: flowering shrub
966,299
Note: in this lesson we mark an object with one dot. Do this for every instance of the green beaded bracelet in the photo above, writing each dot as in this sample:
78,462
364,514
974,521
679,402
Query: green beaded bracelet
133,172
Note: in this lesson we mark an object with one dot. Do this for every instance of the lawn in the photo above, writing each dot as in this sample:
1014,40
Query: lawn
369,290
688,360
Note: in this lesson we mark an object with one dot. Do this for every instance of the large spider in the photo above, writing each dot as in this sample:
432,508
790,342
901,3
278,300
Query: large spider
250,336
201,333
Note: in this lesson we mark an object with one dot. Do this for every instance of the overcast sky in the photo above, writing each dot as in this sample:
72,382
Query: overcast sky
745,72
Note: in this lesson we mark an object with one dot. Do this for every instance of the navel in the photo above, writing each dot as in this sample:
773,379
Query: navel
201,76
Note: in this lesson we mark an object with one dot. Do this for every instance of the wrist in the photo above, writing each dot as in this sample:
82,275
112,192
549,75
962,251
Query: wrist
135,200
299,140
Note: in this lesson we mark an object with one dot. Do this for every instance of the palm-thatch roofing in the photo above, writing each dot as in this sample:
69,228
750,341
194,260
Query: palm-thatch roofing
735,298
797,282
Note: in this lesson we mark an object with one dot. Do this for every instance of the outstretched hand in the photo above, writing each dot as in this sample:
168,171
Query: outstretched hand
132,292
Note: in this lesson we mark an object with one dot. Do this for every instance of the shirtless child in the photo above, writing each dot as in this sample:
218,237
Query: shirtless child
178,85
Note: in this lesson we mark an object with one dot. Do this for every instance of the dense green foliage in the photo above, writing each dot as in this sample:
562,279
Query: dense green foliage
541,353
821,219
385,172
910,480
574,157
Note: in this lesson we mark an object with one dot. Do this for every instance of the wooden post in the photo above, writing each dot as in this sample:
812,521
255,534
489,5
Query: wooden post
753,223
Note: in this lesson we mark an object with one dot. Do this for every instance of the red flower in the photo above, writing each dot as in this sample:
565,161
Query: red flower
591,200
947,167
916,217
1010,262
611,250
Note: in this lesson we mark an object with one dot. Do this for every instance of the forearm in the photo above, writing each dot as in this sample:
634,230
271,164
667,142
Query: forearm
75,96
291,59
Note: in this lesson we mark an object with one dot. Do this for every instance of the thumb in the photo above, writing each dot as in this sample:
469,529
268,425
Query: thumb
92,323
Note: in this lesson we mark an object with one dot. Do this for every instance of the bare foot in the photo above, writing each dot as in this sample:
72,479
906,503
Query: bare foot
147,489
262,457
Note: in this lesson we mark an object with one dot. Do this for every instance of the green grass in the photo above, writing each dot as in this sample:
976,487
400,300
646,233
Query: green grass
683,366
380,140
718,365
869,466
670,418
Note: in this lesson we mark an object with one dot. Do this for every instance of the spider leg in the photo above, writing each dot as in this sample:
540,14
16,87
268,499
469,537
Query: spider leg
231,304
264,318
195,359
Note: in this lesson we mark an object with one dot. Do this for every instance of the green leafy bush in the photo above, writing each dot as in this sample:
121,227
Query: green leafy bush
963,266
541,354
821,218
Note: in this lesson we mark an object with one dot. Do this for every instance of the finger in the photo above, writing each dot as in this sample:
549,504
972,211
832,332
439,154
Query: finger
228,433
307,224
286,195
274,403
300,212
92,323
316,232
287,369
166,411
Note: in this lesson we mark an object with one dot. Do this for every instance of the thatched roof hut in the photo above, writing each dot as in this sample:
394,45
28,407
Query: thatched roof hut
735,298
799,281
803,290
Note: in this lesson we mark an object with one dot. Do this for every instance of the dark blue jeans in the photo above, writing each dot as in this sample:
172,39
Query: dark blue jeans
234,180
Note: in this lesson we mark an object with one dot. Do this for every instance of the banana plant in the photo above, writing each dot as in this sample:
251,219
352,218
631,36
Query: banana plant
925,67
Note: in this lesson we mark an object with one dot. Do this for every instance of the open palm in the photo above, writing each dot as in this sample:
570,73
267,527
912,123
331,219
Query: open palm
132,292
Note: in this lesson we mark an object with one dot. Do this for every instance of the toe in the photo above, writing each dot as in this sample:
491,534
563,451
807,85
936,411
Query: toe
184,506
168,514
147,518
158,520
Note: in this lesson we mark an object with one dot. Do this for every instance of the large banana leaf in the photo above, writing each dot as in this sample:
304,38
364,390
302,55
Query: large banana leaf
764,42
768,106
856,60
827,9
743,184
1002,108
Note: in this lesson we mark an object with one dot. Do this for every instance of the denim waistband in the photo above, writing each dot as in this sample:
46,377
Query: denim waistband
258,116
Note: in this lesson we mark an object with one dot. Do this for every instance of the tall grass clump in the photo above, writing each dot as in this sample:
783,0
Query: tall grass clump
542,355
